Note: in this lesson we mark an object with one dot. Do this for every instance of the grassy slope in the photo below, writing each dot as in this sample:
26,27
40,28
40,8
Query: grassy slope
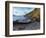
35,14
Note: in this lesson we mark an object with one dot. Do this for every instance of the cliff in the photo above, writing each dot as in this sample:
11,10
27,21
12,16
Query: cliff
35,15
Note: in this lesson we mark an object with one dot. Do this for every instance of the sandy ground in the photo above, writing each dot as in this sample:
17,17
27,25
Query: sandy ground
30,26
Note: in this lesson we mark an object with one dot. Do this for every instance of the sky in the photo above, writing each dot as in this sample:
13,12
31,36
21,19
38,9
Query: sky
19,11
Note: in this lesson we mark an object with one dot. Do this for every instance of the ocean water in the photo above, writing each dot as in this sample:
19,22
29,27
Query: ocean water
19,18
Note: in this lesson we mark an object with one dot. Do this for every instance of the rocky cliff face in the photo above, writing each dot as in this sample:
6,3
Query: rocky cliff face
35,15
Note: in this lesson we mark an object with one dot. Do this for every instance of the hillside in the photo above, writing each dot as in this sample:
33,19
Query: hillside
35,15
